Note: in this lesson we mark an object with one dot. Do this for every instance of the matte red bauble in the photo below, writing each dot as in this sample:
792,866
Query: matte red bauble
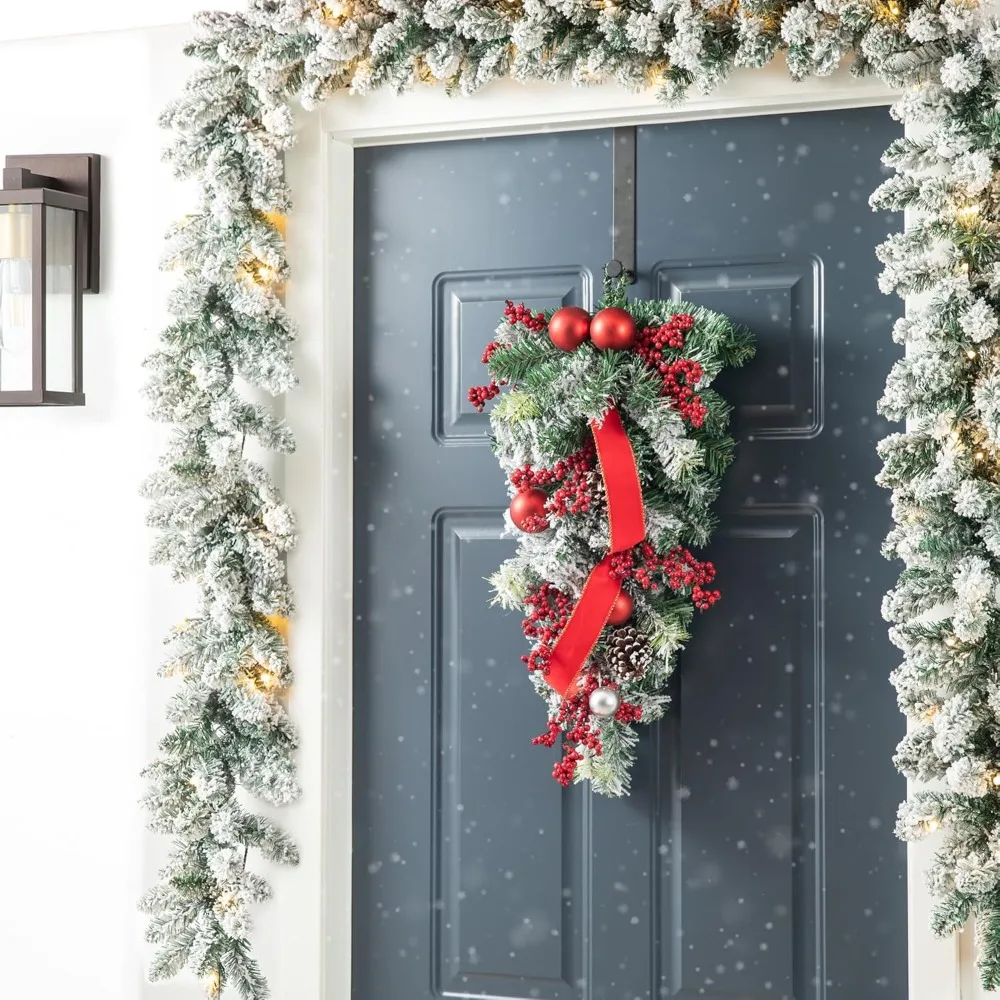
622,610
613,329
569,327
527,511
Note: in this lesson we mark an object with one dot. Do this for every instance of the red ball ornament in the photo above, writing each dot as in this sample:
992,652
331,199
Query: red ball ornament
613,329
569,327
527,511
622,610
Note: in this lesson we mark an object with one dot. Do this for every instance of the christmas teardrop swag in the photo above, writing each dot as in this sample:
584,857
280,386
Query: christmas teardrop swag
614,447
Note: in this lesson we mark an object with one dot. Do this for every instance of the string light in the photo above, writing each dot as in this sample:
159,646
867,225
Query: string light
279,221
964,268
950,641
979,456
256,273
213,984
279,623
335,12
996,779
257,678
511,9
968,215
930,713
970,354
930,825
654,72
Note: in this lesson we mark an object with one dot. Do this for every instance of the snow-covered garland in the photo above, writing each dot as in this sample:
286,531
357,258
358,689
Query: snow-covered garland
649,365
225,528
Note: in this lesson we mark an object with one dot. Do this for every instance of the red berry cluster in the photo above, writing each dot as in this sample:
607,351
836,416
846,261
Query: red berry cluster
652,341
529,478
681,375
574,718
678,569
642,564
480,395
679,379
573,495
683,570
491,348
628,713
549,615
534,523
521,314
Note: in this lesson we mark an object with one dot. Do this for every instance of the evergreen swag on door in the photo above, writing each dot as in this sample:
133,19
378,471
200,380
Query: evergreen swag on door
224,527
614,445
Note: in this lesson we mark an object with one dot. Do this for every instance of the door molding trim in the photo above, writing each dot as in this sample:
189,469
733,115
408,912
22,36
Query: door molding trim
305,939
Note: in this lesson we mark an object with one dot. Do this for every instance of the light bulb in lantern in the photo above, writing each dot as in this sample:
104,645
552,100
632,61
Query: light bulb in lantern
15,298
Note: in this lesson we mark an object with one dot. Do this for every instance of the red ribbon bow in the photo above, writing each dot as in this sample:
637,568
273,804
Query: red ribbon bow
628,527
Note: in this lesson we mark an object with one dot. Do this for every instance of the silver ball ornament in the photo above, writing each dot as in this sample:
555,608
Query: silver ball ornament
604,701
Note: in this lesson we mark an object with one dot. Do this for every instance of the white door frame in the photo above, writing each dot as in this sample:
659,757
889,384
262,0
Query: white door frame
305,935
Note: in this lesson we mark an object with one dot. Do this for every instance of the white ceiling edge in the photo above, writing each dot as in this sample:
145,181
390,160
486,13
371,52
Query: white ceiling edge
56,18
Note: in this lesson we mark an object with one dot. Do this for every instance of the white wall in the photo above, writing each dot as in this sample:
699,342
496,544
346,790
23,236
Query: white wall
81,612
70,17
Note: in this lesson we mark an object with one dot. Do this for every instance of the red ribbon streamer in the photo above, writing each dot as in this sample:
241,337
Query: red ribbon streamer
621,482
628,528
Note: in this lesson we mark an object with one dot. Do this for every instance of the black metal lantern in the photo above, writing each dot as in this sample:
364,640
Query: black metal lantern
50,216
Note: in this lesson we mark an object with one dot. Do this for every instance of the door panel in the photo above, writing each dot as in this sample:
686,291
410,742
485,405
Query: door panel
755,857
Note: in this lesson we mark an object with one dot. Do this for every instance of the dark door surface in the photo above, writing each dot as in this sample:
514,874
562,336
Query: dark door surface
755,856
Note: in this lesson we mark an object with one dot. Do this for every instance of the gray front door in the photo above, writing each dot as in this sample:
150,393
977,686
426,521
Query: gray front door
755,856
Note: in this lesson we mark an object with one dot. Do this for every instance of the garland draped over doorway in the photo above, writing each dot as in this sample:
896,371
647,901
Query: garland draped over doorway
223,525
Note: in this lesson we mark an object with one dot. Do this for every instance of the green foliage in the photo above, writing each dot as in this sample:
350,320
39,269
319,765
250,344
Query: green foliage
221,523
556,397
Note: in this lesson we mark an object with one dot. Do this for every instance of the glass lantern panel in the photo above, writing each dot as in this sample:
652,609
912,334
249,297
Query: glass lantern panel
15,298
60,298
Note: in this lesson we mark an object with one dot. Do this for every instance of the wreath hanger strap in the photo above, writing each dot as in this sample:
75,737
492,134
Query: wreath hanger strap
623,168
628,528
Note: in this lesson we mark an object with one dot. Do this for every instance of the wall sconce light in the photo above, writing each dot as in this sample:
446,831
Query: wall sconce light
50,229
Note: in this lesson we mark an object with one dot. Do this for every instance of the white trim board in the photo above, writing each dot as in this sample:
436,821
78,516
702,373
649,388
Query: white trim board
314,963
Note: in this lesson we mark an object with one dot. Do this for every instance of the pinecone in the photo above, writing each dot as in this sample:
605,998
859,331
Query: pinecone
628,653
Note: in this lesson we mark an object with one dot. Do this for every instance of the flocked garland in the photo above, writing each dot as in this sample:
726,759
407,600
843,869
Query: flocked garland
223,525
649,365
